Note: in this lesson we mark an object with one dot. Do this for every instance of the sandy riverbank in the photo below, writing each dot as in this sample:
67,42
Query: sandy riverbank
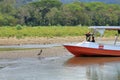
46,52
33,53
39,40
45,40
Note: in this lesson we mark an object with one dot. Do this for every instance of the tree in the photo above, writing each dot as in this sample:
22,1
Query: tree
53,16
44,7
7,12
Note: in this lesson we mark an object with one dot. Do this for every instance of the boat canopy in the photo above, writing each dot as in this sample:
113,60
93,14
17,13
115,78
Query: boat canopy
106,27
101,30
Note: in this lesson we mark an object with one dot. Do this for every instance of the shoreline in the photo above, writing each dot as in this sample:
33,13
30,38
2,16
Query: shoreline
34,53
46,40
39,40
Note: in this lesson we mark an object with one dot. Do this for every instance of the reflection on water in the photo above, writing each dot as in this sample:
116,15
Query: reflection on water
60,68
98,68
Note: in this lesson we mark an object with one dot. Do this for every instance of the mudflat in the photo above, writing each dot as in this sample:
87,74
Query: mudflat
46,52
35,53
46,40
39,40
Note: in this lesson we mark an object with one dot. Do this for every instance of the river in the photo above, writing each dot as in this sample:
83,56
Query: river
60,68
65,67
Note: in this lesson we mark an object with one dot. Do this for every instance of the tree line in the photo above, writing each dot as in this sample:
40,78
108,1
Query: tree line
55,13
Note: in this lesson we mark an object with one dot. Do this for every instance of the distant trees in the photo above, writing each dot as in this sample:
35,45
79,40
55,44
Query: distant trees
7,12
53,12
37,12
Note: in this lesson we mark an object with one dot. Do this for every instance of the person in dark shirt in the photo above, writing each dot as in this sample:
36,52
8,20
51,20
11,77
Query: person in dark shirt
88,37
93,39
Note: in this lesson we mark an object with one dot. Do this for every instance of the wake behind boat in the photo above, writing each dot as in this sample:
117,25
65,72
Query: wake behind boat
95,49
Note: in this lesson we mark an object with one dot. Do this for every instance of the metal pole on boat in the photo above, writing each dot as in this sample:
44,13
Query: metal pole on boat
117,37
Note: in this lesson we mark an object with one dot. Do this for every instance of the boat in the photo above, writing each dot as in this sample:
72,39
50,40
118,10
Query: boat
88,48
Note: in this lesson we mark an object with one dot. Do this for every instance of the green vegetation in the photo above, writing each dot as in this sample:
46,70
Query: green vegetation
53,31
42,31
62,19
54,13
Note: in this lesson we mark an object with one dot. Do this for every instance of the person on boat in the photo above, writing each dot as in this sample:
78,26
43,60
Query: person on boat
88,36
93,39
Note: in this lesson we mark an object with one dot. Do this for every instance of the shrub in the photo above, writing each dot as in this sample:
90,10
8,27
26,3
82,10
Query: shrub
18,27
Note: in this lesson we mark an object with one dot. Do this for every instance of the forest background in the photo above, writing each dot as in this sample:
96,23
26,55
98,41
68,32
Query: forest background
56,13
15,18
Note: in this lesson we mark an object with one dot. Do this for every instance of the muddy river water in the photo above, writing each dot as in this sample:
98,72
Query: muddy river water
60,68
65,67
